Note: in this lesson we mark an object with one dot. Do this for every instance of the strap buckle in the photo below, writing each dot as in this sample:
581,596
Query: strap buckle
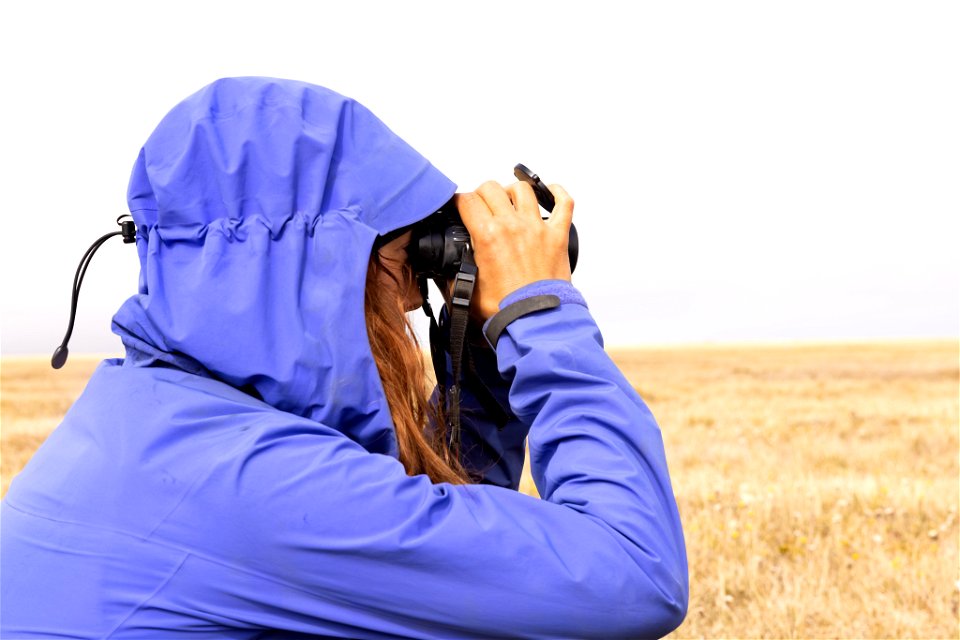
463,288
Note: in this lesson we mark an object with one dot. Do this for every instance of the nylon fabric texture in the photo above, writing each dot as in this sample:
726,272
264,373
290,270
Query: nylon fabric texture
235,475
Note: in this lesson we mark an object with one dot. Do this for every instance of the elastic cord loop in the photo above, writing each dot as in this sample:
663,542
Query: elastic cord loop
128,229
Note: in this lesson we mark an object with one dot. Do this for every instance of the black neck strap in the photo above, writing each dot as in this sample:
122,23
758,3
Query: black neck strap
463,286
455,325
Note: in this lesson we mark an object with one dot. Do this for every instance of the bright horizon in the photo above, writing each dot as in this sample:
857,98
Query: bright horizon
744,173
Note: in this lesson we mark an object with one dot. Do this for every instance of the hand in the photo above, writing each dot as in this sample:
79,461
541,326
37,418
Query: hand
512,245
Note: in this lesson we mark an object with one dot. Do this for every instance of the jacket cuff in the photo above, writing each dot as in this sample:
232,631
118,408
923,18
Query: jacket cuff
557,292
560,288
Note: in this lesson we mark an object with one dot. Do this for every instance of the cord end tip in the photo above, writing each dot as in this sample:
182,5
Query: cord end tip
59,357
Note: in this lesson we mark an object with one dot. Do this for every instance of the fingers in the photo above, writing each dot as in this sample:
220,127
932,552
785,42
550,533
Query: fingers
480,209
562,214
512,245
496,197
524,199
473,210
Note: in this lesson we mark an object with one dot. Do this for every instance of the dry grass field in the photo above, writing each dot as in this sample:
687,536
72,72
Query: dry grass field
818,484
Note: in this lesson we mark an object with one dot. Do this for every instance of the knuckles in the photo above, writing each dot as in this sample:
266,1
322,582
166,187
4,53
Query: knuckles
516,187
483,233
468,200
488,231
490,186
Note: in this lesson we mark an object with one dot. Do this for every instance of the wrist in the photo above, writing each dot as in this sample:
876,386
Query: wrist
533,298
563,289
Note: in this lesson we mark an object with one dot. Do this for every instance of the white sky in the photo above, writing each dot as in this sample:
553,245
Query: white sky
742,171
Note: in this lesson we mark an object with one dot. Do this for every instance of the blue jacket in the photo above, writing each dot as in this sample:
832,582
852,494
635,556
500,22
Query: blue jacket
236,474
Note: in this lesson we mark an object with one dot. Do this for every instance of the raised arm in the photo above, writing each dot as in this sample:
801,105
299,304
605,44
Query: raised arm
329,539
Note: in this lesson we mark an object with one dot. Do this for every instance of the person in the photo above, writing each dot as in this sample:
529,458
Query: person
264,462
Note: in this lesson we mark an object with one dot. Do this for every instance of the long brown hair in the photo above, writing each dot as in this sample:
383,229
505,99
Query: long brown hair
400,363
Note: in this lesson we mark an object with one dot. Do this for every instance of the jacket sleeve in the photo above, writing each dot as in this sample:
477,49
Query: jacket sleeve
326,538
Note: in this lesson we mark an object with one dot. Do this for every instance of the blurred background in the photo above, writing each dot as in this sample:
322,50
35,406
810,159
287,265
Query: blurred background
743,171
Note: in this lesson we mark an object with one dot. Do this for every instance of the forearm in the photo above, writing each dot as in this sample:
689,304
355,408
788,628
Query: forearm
594,445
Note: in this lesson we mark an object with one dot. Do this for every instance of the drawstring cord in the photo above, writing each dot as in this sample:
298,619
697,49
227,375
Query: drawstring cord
128,229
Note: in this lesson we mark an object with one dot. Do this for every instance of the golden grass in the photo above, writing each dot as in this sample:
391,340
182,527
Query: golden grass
818,484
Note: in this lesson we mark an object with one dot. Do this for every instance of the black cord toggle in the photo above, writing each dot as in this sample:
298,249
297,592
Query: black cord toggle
128,230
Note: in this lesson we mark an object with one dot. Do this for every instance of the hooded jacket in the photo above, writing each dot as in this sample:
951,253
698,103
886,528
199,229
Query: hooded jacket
236,474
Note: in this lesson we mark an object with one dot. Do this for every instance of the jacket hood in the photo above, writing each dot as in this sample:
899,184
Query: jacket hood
257,203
